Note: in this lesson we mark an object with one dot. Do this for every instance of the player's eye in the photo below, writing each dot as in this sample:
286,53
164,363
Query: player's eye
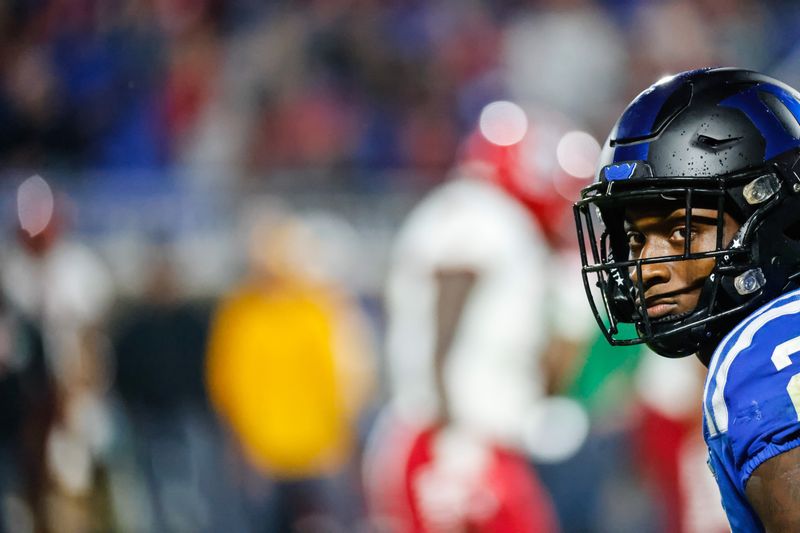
681,233
635,240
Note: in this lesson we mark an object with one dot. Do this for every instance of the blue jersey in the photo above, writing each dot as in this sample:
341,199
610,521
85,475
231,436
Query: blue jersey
751,402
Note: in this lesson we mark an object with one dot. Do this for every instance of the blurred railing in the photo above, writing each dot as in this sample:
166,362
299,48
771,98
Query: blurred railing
120,214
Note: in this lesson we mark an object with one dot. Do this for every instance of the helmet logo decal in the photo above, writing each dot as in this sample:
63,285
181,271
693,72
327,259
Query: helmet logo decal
619,171
717,145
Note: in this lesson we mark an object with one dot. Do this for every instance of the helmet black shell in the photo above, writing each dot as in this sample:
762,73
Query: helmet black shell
707,134
707,123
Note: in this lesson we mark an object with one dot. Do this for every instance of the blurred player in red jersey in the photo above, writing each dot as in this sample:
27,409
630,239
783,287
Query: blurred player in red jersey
469,321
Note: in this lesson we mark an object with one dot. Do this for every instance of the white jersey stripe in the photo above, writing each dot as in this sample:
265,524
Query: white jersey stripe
716,359
711,423
745,339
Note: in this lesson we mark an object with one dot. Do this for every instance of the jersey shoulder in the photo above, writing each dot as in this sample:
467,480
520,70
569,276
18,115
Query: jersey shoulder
466,222
752,392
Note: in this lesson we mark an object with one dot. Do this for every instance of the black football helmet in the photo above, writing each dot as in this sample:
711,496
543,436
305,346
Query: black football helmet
723,138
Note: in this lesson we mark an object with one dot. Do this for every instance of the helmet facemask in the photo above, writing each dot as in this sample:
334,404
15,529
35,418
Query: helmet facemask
735,281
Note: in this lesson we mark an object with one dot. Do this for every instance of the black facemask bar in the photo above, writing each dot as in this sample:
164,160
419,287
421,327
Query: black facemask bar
603,272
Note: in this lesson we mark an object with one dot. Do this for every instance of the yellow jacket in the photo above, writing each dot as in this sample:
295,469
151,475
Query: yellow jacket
281,372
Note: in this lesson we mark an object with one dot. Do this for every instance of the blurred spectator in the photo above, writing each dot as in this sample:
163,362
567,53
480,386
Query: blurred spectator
62,285
26,412
159,346
666,439
655,51
548,59
638,470
289,372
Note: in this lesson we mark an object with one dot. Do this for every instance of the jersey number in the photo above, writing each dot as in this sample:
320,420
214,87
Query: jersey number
781,359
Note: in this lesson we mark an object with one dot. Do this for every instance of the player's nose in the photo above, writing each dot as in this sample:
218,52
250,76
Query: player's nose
651,273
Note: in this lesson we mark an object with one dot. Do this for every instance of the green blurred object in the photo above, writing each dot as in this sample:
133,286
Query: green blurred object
604,379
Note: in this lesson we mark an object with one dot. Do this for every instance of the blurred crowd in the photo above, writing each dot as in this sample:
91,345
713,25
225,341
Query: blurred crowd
201,208
243,92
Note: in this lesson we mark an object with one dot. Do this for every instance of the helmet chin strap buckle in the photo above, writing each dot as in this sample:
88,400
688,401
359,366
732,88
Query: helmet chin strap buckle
761,189
749,282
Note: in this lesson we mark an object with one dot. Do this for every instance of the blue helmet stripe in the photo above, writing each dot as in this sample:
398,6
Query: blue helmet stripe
638,120
631,152
787,99
777,139
640,117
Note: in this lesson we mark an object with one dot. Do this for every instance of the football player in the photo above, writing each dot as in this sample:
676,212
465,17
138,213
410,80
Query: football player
468,316
691,233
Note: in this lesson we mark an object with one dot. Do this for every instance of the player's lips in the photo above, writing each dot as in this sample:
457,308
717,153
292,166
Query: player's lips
658,307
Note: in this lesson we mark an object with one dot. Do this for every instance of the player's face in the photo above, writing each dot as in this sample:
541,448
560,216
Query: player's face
673,288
